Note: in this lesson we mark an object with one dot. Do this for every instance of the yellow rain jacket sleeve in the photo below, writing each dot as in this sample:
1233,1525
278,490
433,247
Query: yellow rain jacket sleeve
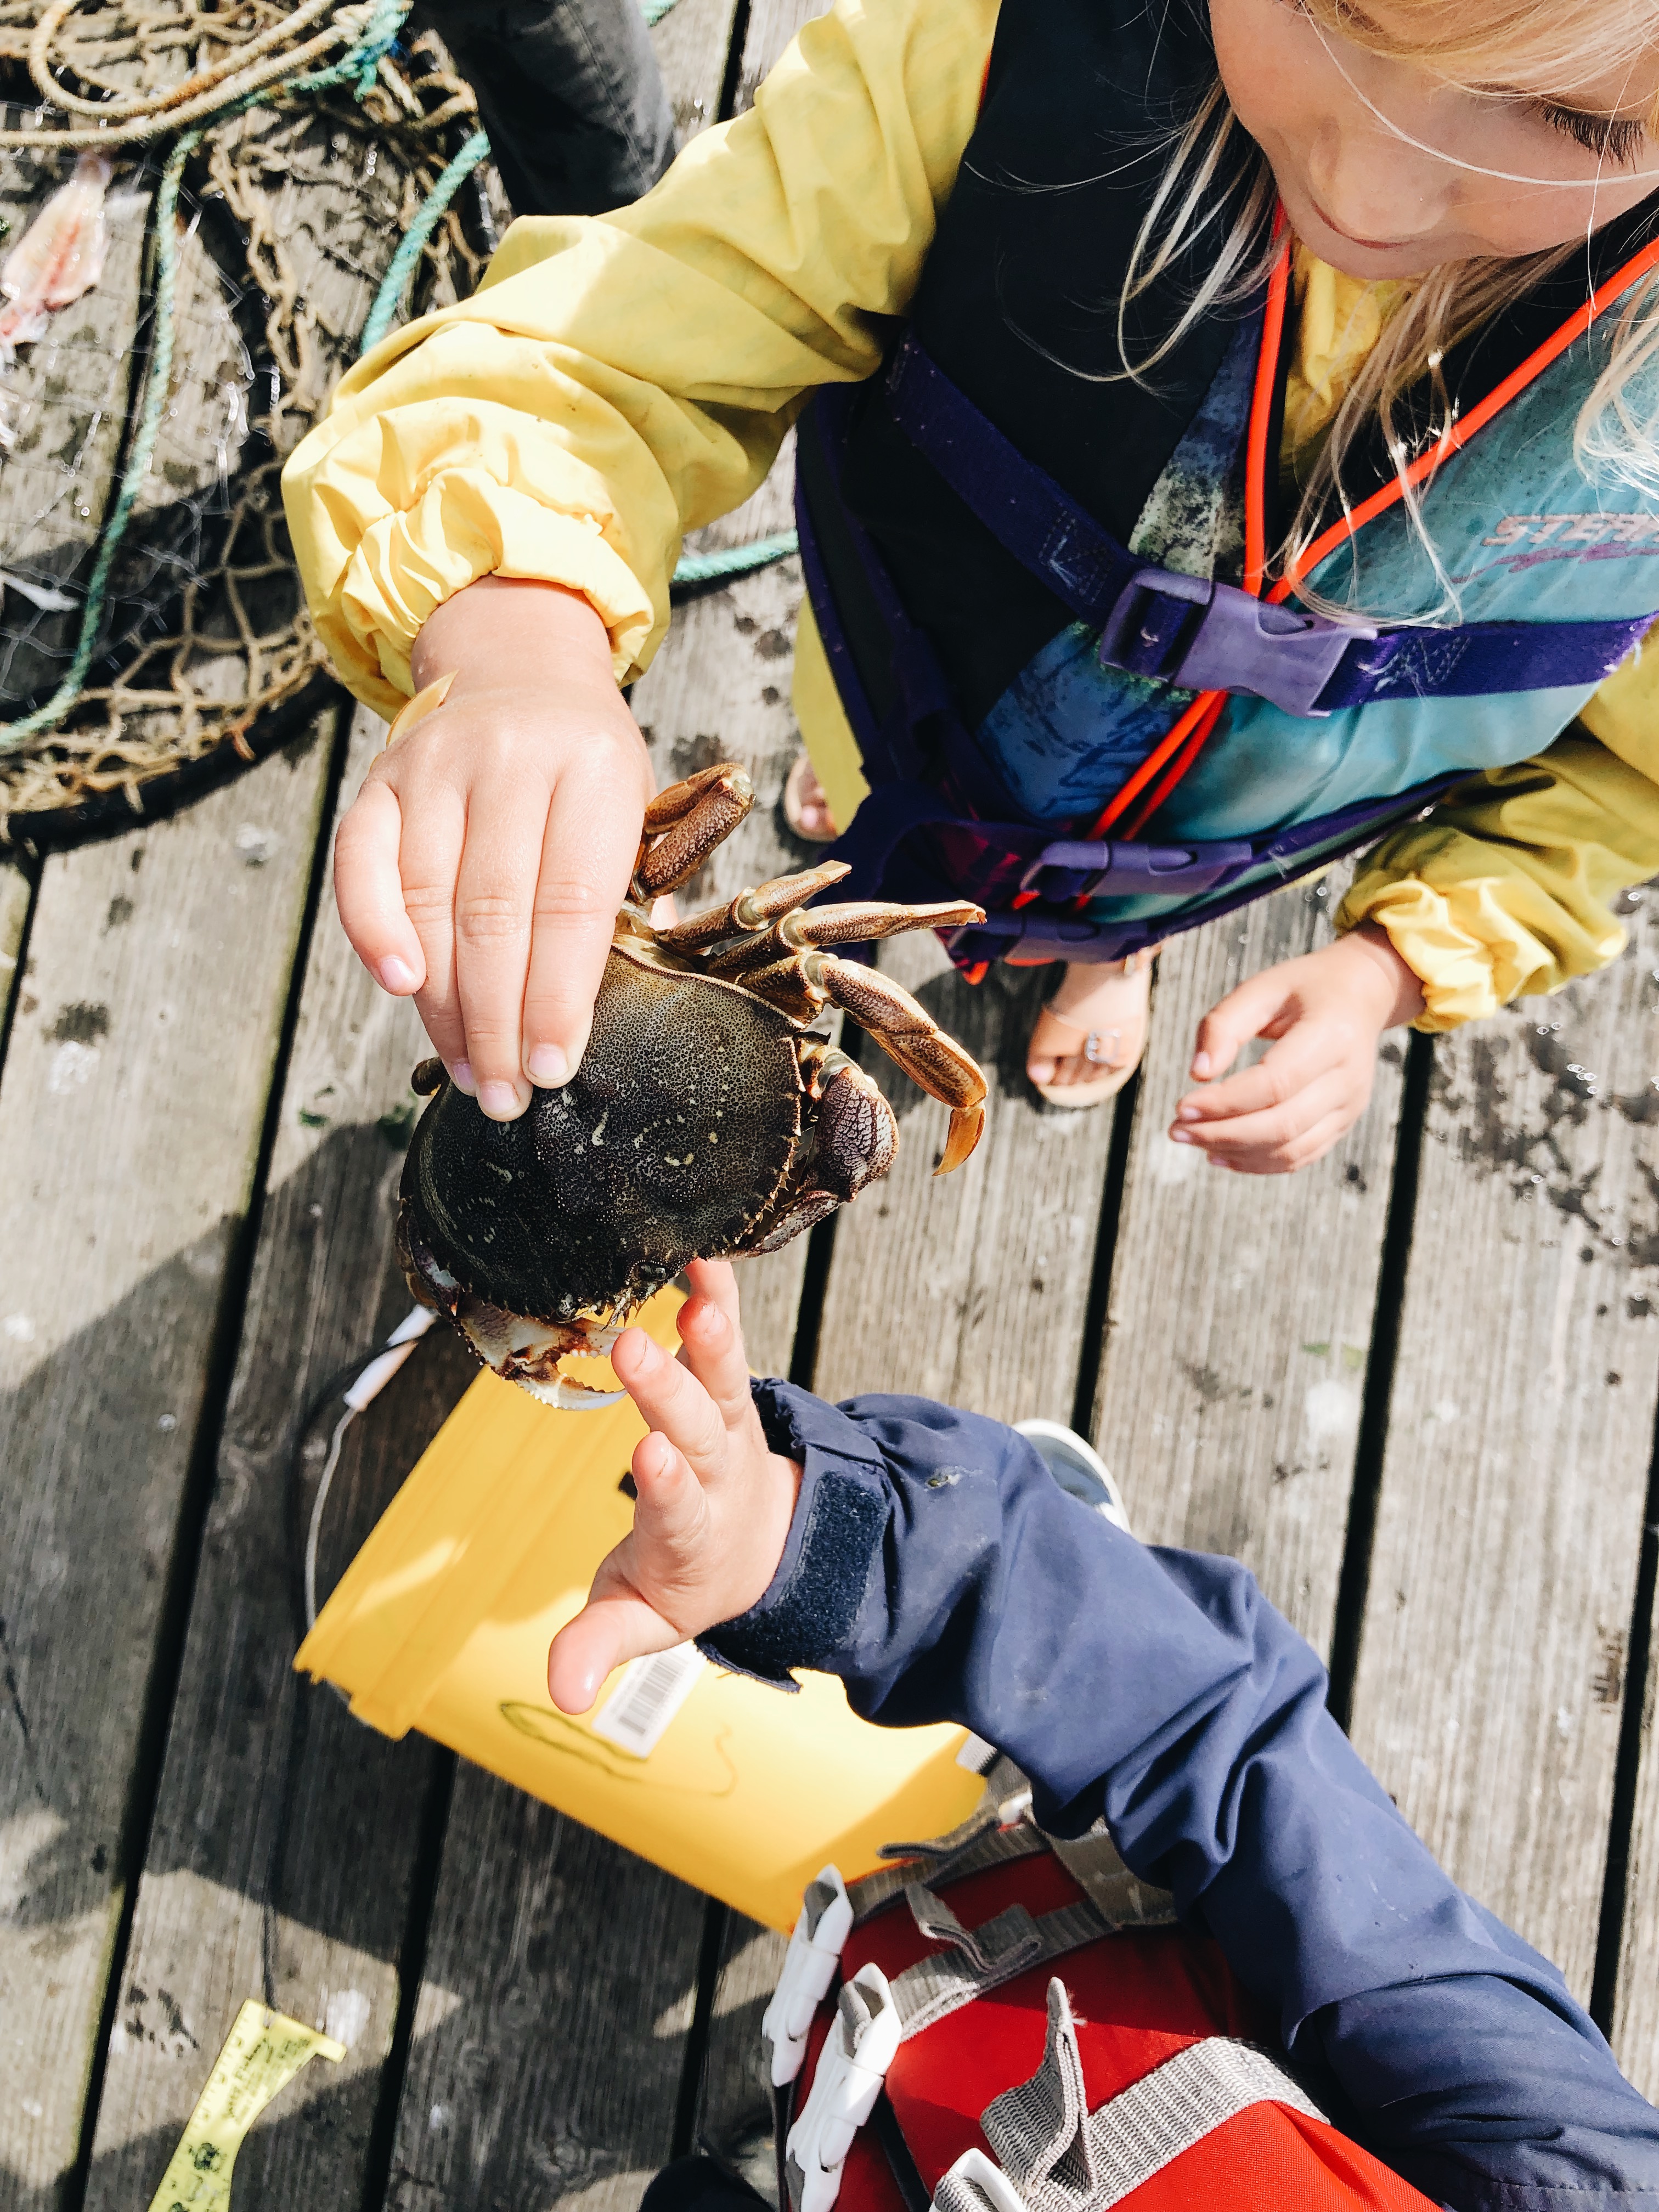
618,380
1508,887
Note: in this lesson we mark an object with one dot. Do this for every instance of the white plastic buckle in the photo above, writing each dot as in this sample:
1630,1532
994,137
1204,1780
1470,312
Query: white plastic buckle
977,2181
852,2067
815,1948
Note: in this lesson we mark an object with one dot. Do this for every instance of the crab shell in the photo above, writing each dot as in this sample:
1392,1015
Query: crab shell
671,1143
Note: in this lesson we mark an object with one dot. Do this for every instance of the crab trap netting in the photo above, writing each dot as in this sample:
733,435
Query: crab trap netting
237,183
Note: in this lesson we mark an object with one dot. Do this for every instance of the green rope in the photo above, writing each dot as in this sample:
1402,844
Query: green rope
389,298
357,67
734,560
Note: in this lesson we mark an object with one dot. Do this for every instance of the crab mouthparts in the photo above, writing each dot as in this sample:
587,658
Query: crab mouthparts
512,1346
528,1352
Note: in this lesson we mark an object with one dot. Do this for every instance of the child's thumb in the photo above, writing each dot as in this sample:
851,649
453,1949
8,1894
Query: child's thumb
605,1634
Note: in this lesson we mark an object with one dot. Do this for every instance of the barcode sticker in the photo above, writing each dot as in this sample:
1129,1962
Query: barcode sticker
636,1714
976,1755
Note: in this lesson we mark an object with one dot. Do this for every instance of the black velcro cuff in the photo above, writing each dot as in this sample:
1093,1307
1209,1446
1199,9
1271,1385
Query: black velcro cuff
807,1616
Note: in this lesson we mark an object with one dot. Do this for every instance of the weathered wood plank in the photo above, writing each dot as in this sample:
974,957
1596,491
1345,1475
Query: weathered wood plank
550,2032
690,45
971,1287
772,24
130,1116
1635,2031
1489,1686
735,2113
324,1286
1240,1311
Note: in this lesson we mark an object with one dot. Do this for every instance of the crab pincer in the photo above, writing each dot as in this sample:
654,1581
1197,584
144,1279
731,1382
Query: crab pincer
708,1118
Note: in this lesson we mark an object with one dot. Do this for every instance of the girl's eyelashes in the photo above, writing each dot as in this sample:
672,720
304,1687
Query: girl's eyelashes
1615,138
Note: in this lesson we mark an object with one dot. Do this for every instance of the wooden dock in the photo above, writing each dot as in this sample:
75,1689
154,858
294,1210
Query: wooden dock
1414,1388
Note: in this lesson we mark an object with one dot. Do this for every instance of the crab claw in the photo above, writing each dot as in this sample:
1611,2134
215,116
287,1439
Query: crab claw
528,1352
966,1123
563,1393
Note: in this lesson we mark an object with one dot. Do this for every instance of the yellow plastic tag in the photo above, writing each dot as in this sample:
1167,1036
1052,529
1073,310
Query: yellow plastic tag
262,2053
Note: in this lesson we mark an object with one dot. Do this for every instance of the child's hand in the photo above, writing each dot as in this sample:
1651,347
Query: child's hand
1328,1011
482,864
714,1504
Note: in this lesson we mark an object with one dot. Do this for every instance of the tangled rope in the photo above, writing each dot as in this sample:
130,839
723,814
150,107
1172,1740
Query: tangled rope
390,297
231,92
199,70
267,62
285,64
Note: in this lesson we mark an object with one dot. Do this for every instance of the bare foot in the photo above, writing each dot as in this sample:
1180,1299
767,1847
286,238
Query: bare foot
805,808
1092,1034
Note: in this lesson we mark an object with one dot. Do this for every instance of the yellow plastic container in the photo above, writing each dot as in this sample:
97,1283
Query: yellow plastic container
442,1621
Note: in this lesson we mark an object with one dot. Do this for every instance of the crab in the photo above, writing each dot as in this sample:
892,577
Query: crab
709,1118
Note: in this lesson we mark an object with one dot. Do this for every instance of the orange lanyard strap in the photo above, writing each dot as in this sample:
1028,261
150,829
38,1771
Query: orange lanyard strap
1184,743
1457,435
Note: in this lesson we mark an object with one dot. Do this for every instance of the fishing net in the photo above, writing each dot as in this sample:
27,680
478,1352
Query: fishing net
267,165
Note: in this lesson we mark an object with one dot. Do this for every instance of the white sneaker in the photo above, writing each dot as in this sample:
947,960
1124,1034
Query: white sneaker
1078,1469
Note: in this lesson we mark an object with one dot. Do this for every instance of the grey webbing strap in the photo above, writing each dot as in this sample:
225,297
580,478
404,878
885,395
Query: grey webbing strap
1061,2158
990,1846
1122,1899
1011,1944
1140,2130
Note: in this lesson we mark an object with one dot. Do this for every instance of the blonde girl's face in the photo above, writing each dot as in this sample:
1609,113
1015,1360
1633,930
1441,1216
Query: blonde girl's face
1379,161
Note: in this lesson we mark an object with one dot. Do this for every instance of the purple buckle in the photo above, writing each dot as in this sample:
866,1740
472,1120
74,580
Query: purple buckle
1075,868
1206,636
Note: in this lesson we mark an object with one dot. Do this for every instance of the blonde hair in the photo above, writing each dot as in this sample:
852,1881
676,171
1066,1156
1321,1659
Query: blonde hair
1216,179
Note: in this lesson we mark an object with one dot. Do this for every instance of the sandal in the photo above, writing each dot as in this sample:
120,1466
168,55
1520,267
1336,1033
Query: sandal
802,792
1116,1052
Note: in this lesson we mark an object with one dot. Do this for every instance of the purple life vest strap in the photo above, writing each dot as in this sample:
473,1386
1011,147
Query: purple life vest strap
1204,637
975,841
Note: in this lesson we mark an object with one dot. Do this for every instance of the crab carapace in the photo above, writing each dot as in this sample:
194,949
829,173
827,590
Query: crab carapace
706,1121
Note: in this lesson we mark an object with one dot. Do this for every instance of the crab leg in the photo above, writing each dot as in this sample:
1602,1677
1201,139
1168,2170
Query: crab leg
686,823
908,1033
751,910
856,922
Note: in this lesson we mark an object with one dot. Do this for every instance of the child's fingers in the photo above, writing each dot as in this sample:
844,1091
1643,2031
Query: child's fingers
714,1352
672,1400
717,1281
605,1634
1227,1027
495,899
1277,1125
434,832
1294,1152
670,1510
1299,1058
369,893
584,867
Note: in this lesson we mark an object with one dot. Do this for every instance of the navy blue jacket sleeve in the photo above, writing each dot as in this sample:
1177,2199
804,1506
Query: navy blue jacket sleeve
934,1566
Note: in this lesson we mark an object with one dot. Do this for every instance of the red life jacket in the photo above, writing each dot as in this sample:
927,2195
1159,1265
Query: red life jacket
1022,2030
